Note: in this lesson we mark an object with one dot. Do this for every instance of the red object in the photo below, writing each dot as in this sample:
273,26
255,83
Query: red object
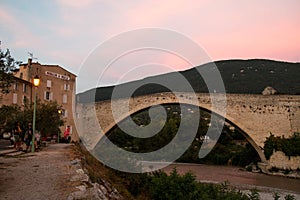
67,132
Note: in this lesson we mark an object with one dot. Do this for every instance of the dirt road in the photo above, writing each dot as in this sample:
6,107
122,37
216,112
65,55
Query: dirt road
40,175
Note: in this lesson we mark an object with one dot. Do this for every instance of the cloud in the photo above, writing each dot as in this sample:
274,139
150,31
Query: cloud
66,31
18,37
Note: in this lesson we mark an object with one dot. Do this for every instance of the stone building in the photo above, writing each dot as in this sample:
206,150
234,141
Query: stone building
56,84
20,92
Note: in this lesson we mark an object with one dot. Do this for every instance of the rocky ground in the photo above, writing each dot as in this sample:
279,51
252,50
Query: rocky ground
54,172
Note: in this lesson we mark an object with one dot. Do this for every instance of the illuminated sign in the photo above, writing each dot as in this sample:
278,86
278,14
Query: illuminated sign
56,75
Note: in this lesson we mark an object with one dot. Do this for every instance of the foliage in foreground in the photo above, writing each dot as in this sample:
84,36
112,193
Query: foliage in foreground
175,186
185,187
158,185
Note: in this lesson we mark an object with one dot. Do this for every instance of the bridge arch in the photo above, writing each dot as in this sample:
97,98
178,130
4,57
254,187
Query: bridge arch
256,116
227,118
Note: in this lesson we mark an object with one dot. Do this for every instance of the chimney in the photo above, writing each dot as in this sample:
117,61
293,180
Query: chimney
29,61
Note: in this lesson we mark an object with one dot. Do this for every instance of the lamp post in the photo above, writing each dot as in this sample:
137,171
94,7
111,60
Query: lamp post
59,113
36,83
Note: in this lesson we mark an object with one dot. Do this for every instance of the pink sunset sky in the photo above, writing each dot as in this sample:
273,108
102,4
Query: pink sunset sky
65,32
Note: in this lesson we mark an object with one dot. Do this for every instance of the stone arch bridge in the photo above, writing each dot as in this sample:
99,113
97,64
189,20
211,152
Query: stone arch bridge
255,115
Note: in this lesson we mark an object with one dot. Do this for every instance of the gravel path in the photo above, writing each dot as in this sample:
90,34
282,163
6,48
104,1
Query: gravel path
40,175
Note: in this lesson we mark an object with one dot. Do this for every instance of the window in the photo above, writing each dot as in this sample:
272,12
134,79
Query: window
66,86
25,100
21,75
49,83
64,113
24,87
48,95
15,98
65,98
16,85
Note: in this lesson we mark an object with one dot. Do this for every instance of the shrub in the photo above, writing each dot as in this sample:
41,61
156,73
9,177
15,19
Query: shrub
185,187
276,196
254,195
289,197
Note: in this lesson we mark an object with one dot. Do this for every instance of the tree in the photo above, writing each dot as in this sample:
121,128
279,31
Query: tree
48,120
7,66
8,117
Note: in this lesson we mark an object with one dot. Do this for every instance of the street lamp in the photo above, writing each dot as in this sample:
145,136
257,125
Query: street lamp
59,111
36,83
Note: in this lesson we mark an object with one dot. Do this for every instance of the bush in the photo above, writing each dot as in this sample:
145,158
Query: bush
276,196
173,186
289,197
254,195
186,187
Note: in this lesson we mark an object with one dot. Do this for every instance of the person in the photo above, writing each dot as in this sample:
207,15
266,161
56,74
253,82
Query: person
37,138
28,137
22,134
17,136
67,134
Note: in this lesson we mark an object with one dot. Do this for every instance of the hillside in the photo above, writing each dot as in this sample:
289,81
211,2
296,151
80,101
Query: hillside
239,76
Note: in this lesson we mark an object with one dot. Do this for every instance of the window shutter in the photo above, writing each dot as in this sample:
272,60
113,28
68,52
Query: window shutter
48,83
66,86
15,98
65,98
66,113
24,87
16,85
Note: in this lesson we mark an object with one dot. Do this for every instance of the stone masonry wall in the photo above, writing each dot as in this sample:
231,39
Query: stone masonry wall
256,115
281,161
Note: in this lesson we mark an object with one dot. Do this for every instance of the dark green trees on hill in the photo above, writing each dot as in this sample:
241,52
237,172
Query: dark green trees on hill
239,76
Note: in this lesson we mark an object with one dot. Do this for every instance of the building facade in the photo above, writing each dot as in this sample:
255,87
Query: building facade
56,84
20,93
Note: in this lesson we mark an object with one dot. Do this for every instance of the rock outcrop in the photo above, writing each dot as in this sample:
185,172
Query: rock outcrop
89,190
